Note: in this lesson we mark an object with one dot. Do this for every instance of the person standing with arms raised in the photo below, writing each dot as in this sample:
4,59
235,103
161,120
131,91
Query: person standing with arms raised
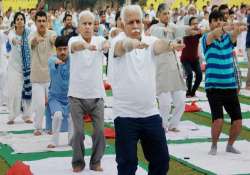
86,90
42,48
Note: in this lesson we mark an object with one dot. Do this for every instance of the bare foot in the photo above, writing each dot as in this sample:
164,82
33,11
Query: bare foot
77,169
51,146
28,121
37,133
173,129
10,122
96,168
49,133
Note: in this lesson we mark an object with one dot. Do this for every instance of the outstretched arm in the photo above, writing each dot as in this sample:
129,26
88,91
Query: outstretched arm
127,45
79,45
163,45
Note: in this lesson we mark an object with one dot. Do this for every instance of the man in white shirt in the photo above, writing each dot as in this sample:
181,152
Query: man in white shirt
134,96
86,90
31,20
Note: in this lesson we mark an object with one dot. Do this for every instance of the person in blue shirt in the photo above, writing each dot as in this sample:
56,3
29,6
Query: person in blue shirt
220,80
58,104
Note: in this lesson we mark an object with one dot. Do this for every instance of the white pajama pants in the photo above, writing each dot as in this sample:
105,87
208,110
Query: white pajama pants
241,43
57,119
39,94
165,100
15,86
3,80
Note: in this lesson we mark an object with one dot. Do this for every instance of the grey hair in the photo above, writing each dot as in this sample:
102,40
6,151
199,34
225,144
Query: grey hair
87,13
131,8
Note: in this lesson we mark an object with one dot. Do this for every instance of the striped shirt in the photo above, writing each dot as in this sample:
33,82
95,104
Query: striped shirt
220,70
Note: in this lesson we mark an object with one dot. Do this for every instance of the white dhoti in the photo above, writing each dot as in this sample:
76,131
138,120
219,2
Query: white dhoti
165,100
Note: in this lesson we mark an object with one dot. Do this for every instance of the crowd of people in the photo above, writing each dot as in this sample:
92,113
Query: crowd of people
52,65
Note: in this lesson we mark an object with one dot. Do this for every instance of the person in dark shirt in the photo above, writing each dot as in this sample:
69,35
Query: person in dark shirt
69,30
190,58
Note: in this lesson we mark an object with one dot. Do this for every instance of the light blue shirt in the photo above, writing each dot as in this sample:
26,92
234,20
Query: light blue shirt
59,75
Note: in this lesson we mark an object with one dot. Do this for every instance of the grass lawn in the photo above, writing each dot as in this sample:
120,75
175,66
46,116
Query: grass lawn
3,167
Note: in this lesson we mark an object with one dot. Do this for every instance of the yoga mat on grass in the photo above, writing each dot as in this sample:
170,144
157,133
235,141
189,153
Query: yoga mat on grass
206,108
196,154
245,116
4,109
28,143
245,92
245,123
108,100
62,166
244,73
190,130
199,96
19,124
6,152
108,115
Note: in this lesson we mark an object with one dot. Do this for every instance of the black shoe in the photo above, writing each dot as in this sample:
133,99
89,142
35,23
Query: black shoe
188,94
192,94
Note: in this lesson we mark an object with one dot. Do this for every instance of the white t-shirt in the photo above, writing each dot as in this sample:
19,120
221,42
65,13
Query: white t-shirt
85,80
111,52
134,81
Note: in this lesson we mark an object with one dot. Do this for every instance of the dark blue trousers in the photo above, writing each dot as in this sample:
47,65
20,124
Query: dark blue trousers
152,137
189,67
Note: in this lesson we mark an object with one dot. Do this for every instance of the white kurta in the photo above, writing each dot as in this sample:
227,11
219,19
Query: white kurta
15,82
